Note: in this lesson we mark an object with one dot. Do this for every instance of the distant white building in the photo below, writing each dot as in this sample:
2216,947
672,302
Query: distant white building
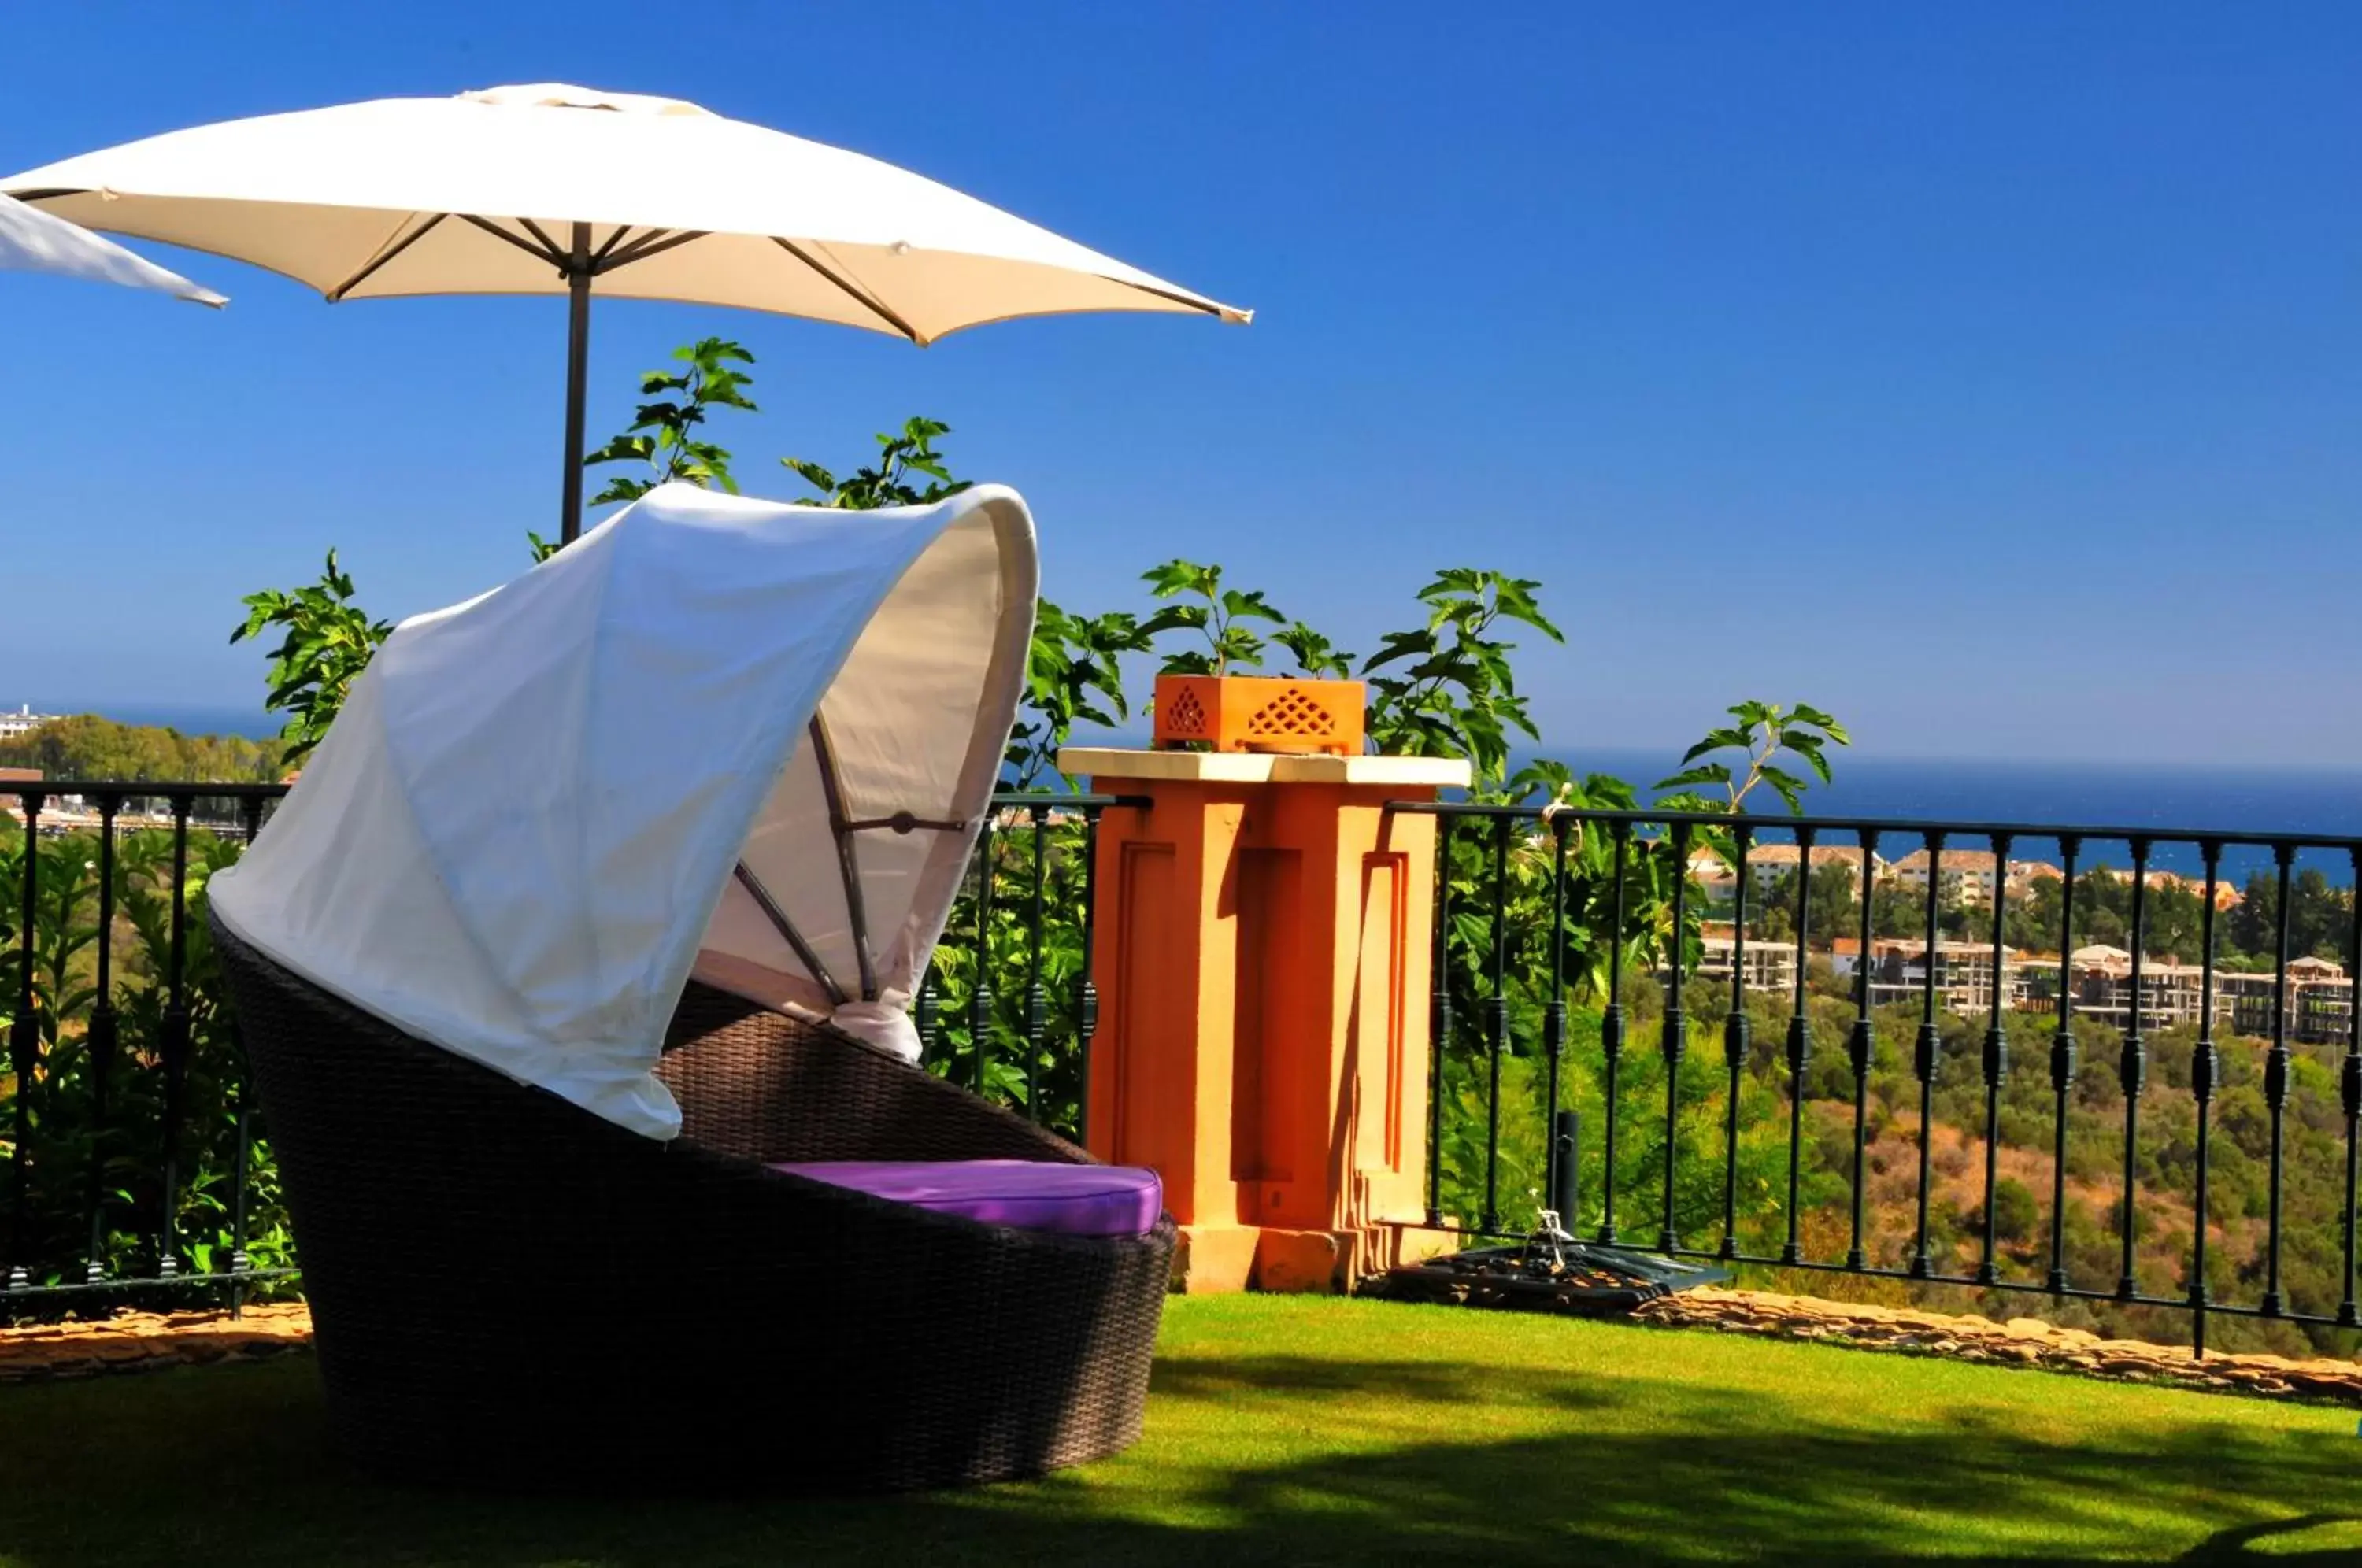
1770,965
23,721
1963,978
2319,1003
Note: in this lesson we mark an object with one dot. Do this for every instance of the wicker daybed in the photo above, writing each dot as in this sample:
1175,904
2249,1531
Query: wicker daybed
540,1225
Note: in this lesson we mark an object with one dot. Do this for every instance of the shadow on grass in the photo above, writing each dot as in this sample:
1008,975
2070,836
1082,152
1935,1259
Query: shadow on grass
1247,1461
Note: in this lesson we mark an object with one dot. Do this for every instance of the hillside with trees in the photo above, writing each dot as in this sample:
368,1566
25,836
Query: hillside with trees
88,746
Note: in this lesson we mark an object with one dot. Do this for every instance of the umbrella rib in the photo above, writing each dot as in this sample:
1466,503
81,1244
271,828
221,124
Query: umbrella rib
555,257
651,243
848,868
614,239
385,253
534,229
1201,306
853,291
787,927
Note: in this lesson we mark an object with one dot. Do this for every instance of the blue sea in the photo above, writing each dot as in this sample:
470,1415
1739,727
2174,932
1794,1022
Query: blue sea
2158,798
221,720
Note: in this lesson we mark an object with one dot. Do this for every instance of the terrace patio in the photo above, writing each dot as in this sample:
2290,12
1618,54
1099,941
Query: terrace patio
1308,1430
1312,1428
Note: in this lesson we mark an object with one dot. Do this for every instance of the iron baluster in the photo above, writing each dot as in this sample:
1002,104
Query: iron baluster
1799,1043
2275,1079
1611,1037
2205,1068
2062,1065
1037,998
173,1042
1735,1042
1860,1048
1926,1057
1496,1011
1676,1038
251,813
1996,1061
1554,1177
926,1010
1439,1018
99,1040
980,996
2133,1068
23,1047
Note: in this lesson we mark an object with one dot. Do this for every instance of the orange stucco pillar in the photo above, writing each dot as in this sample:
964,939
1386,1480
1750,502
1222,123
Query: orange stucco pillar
1265,929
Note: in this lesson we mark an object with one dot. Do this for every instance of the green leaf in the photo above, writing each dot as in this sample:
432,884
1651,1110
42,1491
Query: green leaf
1712,773
1791,788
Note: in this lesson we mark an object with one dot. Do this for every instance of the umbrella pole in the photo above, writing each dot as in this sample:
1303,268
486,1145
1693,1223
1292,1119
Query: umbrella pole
578,366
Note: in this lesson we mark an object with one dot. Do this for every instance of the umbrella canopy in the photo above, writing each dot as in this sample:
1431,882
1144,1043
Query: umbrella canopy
34,241
750,741
551,189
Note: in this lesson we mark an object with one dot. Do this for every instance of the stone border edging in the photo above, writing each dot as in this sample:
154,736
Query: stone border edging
2026,1341
148,1341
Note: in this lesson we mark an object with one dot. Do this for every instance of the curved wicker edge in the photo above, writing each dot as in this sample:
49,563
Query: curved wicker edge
508,1291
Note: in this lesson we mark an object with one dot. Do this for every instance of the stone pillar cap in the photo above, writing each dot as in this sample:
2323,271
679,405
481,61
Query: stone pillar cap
1257,767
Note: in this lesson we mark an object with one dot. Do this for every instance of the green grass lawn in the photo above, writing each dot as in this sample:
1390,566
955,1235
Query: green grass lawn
1304,1431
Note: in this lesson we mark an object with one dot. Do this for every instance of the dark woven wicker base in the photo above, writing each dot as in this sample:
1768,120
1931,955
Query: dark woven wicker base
510,1292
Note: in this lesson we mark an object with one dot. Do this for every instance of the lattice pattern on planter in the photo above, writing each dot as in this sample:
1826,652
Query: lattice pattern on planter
1184,715
1291,714
1259,712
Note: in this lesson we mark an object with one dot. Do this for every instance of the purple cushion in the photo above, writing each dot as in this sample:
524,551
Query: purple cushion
1032,1195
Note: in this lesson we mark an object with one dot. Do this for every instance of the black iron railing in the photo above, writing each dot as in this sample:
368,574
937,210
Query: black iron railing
1012,998
103,1067
139,1171
1544,915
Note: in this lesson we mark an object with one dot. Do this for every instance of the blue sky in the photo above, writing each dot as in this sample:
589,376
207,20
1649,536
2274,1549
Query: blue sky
1990,375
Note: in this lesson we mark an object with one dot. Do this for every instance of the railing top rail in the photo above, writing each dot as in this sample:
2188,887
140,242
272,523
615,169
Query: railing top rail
179,788
168,789
1060,798
1905,826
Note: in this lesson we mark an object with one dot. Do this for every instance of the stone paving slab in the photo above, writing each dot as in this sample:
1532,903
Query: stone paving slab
148,1341
2027,1341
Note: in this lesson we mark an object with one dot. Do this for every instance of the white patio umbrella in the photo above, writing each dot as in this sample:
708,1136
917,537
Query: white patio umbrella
34,241
549,188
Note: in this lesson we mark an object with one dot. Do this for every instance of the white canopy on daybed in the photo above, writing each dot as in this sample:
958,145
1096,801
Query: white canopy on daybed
749,740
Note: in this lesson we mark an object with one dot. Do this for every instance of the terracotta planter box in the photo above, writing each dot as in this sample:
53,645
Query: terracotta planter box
1260,712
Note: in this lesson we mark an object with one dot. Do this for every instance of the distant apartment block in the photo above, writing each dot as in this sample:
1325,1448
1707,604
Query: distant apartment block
2101,987
1770,965
2319,1003
2226,897
1898,972
2098,983
1712,876
1970,872
1769,862
2024,873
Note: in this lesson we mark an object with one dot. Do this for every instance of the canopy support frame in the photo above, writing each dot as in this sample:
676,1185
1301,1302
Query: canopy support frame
853,292
786,929
385,254
848,865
